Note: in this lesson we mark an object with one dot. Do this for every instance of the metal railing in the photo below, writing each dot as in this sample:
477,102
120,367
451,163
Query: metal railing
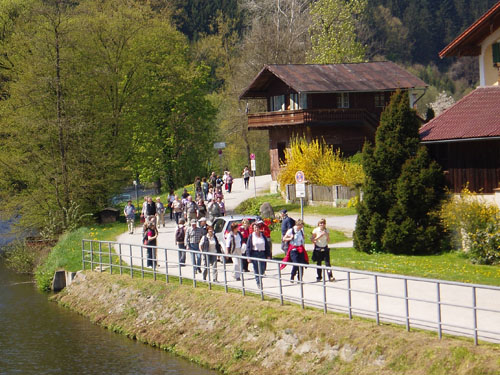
444,306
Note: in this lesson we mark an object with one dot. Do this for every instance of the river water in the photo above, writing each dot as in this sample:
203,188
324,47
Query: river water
40,337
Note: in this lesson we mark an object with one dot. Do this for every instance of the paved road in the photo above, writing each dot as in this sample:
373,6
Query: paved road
422,294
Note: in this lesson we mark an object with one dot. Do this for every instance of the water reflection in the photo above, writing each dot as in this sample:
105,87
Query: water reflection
39,337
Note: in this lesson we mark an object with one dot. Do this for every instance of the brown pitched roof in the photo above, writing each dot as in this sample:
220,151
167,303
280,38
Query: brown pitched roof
468,43
315,78
476,115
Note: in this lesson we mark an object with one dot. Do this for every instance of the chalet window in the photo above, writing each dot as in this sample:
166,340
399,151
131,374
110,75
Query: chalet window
379,99
294,101
496,52
281,152
303,101
278,103
343,100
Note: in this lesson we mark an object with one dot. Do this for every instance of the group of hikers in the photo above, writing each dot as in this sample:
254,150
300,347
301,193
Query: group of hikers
194,231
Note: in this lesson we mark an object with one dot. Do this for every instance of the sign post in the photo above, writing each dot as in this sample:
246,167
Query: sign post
253,167
300,190
219,146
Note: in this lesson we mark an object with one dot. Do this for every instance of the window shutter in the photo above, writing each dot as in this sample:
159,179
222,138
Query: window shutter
496,53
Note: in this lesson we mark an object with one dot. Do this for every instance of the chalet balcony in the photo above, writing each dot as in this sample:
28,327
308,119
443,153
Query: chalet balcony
265,120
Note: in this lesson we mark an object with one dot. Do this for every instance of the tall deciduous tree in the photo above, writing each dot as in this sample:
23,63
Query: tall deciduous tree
333,32
403,188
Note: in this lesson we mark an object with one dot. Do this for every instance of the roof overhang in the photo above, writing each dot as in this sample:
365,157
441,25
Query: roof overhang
462,140
469,42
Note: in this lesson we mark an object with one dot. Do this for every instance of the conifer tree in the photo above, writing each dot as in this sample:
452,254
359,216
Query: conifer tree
402,190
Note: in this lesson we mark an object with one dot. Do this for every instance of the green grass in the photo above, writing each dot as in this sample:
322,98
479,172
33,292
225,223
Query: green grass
67,253
447,266
251,207
335,235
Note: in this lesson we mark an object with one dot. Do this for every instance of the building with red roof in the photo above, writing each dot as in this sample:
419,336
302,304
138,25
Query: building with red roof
465,139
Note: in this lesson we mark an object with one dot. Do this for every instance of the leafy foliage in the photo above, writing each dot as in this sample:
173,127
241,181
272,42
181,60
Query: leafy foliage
402,188
320,163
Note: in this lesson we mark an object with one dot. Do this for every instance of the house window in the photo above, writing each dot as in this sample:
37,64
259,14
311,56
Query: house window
303,101
278,103
294,101
379,99
343,100
281,152
496,52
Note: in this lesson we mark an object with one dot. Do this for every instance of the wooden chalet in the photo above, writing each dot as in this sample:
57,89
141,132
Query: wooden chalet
465,139
341,103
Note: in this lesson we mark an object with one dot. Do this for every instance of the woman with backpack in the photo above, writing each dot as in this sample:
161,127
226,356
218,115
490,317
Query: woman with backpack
150,240
234,242
180,233
229,182
296,249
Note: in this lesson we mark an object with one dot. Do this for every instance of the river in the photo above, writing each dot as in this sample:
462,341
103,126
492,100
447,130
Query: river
40,337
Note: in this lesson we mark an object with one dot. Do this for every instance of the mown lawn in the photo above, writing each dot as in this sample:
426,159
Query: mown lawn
448,266
251,207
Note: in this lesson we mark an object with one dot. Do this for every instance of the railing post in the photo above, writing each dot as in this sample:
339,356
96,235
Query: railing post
438,296
83,255
131,262
243,281
376,300
259,267
120,257
166,266
474,316
193,257
110,259
325,309
142,261
154,256
100,256
301,281
91,255
407,307
179,265
225,276
349,297
280,283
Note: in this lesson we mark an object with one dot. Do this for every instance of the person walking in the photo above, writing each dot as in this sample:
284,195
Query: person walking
234,241
143,210
222,206
190,209
320,239
258,247
244,229
160,213
210,245
192,241
178,208
171,199
204,188
229,182
202,209
213,180
129,212
213,210
286,223
150,210
246,176
180,234
296,249
150,240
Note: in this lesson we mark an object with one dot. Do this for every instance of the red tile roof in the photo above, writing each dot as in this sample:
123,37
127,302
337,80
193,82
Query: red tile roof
468,42
328,78
476,115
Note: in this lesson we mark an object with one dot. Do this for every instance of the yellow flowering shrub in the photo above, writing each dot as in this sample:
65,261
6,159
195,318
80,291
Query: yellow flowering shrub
320,163
474,226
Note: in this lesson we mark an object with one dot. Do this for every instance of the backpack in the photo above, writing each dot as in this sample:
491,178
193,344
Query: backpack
180,233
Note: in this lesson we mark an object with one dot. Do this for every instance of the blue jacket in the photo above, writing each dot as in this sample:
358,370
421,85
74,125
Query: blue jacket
251,253
286,224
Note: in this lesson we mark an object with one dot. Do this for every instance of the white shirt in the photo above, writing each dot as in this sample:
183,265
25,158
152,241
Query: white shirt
259,243
323,240
298,237
237,241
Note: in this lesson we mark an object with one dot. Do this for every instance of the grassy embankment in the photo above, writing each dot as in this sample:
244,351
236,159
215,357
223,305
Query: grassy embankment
264,337
452,266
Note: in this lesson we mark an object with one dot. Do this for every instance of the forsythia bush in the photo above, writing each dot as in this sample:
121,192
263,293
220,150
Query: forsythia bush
320,164
474,226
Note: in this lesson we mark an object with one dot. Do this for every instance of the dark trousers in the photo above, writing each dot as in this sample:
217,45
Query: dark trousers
229,187
196,257
246,179
171,212
322,255
151,261
182,254
177,215
259,268
297,257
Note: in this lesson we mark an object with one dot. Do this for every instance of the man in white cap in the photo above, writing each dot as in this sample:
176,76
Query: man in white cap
203,224
192,241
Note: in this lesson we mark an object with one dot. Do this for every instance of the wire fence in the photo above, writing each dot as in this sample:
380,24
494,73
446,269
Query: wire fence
443,306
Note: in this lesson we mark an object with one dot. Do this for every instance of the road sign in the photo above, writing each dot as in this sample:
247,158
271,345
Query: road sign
220,145
300,178
252,156
252,165
300,190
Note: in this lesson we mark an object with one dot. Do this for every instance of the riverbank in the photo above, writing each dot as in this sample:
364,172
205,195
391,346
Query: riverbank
243,335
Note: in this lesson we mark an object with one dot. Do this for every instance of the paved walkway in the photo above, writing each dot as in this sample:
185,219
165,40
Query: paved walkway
368,294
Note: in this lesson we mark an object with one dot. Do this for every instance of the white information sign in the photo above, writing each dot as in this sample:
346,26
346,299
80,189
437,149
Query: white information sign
253,167
300,190
219,145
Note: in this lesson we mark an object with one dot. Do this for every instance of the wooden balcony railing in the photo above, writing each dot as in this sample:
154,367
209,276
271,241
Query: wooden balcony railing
310,116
